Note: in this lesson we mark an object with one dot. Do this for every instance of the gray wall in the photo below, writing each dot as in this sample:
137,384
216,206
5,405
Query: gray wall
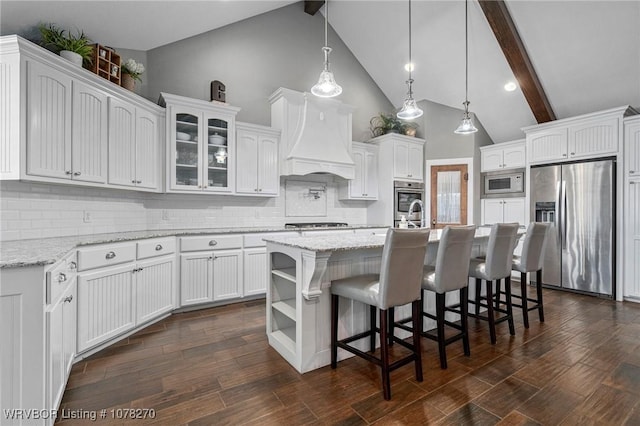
254,57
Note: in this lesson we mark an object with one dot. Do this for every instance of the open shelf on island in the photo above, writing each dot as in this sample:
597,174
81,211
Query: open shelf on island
288,274
286,337
287,307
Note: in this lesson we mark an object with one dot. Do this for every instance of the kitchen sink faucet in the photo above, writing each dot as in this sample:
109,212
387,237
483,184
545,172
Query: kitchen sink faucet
422,215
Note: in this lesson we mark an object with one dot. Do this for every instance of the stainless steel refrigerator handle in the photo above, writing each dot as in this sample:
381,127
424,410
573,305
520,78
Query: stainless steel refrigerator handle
563,210
556,212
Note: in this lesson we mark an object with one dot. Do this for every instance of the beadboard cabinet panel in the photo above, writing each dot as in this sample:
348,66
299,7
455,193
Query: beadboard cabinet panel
154,288
196,275
227,274
147,160
122,144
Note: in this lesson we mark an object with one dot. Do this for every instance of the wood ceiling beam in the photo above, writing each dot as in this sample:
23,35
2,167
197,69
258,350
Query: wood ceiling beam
514,51
312,6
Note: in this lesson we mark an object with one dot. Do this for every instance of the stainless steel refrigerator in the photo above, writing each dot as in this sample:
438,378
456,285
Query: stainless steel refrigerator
578,199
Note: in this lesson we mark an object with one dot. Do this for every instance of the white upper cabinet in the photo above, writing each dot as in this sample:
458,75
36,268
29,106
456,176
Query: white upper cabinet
134,146
508,155
365,185
632,146
257,160
63,124
201,145
408,156
588,136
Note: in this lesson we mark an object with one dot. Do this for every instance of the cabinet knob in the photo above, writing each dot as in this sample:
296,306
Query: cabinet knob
631,172
573,153
260,190
255,190
77,173
213,243
133,181
632,183
62,277
73,266
68,299
210,258
110,255
138,181
564,155
68,172
159,247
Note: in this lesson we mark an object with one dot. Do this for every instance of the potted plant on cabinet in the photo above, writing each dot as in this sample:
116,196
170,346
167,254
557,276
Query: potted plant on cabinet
383,123
131,71
73,47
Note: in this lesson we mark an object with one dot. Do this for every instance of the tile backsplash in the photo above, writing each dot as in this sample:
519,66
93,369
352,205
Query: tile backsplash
34,210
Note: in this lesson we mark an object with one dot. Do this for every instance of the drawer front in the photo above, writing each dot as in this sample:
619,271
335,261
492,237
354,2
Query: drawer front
106,255
210,242
156,247
59,277
256,240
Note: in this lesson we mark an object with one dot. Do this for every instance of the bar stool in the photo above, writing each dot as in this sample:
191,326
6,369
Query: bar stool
448,274
531,261
397,284
496,266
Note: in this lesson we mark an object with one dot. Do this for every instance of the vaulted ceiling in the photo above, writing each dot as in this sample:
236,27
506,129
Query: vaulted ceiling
585,53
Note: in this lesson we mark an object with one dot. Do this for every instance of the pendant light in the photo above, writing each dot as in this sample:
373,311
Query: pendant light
410,108
466,125
326,87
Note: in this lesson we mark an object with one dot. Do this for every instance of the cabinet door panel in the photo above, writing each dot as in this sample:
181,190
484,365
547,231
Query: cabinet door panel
146,160
632,152
49,122
400,160
491,211
89,134
247,152
185,139
255,271
513,210
594,139
154,289
122,117
632,241
514,157
357,185
227,270
492,159
268,172
196,278
371,175
105,305
415,161
547,146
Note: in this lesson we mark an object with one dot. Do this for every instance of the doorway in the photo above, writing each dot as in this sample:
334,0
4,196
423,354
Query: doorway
449,194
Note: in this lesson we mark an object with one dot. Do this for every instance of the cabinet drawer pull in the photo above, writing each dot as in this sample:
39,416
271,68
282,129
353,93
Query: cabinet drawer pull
213,243
77,173
68,299
62,277
159,247
564,155
73,266
573,153
68,172
632,183
133,181
632,172
138,181
110,255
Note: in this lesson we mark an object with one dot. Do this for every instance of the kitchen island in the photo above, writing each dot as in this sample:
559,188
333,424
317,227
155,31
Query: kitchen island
298,298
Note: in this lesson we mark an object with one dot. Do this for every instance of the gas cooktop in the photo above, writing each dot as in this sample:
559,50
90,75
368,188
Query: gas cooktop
315,225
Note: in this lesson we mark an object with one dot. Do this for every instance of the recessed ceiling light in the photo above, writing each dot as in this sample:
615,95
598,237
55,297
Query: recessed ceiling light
510,86
409,66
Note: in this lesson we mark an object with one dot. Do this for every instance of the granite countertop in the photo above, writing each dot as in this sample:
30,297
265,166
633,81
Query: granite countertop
47,251
358,242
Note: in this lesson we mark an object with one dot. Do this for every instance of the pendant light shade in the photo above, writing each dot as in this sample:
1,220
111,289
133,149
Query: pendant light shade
466,125
410,109
326,87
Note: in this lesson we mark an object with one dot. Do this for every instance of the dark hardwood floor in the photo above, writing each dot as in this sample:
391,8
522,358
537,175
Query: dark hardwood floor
215,367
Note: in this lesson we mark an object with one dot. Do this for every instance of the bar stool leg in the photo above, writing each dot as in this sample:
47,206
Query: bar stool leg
497,295
334,331
539,294
384,354
478,292
507,292
440,305
523,292
417,329
392,317
464,310
490,314
372,332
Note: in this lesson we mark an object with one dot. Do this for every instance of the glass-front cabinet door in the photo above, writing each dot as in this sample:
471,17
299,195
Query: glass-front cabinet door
217,151
201,145
186,173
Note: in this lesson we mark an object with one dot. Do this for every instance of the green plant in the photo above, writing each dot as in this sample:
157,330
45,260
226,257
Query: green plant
58,39
383,123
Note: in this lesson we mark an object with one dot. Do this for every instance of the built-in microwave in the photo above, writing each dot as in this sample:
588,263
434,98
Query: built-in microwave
503,184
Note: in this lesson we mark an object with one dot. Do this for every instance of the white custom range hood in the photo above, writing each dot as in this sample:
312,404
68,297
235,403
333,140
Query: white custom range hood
316,134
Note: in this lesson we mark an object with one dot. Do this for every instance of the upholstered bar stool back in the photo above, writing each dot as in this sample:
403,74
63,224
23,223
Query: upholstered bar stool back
450,274
531,261
398,283
495,266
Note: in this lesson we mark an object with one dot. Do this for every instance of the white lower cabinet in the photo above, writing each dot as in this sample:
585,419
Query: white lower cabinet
105,305
632,241
255,271
210,276
154,289
503,210
61,343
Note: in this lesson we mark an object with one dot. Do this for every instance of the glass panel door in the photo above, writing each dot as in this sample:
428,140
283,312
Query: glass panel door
217,175
449,195
187,160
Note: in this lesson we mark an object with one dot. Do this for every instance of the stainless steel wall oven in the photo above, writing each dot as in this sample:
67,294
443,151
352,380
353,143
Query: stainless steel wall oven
404,194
